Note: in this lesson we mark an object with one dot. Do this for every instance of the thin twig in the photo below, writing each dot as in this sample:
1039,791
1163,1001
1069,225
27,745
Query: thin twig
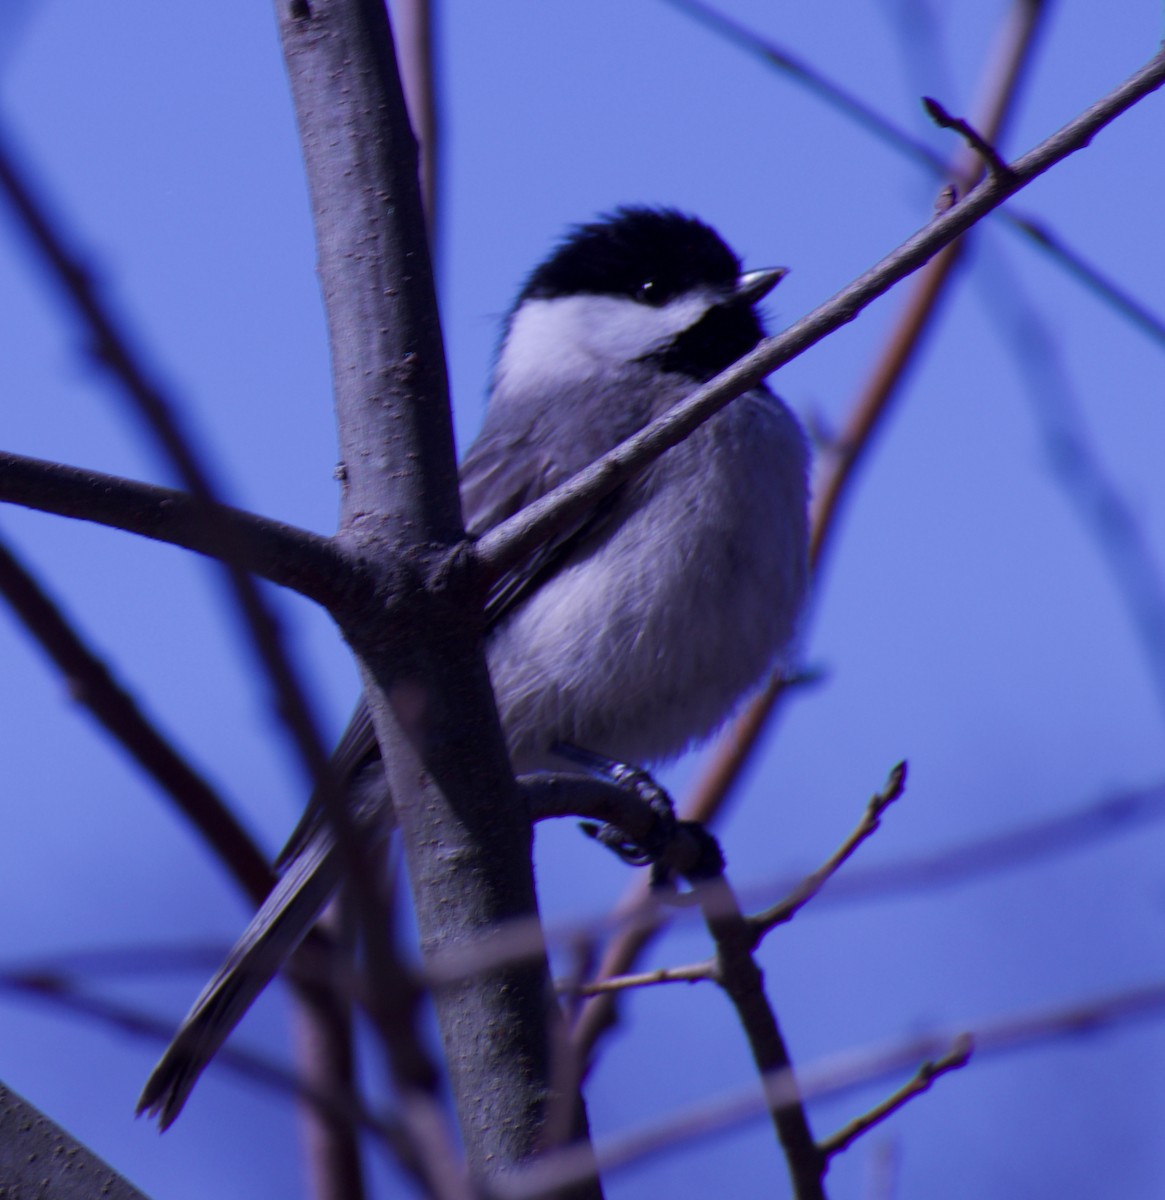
692,973
956,1057
760,923
1010,850
968,133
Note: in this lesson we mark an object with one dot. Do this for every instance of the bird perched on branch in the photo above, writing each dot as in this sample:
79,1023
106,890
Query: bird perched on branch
637,631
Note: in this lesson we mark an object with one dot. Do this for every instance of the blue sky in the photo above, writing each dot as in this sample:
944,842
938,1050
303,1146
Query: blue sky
967,620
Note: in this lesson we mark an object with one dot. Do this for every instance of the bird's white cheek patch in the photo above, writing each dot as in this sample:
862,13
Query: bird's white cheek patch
551,342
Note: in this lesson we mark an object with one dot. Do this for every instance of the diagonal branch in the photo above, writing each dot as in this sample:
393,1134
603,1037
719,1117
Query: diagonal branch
509,543
114,349
91,682
857,110
762,922
921,1081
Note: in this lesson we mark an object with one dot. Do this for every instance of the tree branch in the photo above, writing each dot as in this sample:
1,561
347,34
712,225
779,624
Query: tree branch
743,982
465,834
857,110
91,682
114,349
38,1158
294,558
502,547
835,1076
955,1058
762,922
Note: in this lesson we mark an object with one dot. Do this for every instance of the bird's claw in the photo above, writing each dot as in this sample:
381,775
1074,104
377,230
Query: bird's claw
645,849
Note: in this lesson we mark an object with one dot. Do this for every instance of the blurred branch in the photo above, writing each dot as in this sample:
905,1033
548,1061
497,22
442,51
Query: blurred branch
813,81
90,682
837,1076
39,1159
1011,849
517,940
293,558
113,348
1032,228
1096,499
325,1051
955,1058
63,992
415,22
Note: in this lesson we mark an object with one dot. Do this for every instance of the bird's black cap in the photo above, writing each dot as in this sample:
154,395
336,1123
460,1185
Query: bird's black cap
649,254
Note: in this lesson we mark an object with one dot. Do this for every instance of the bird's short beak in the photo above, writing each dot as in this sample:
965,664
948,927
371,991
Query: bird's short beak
754,285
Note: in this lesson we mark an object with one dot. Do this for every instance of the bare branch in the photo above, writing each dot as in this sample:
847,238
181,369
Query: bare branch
114,349
1011,849
693,973
38,1158
325,1054
955,1058
743,982
760,923
511,541
1075,464
294,558
833,1077
61,991
90,682
1034,229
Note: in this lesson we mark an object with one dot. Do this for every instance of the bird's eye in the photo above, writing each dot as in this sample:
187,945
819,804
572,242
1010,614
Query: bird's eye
648,293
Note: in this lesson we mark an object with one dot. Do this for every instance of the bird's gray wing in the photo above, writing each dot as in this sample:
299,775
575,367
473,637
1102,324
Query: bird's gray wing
499,477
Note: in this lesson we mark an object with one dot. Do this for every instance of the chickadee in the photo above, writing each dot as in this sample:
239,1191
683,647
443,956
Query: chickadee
635,633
